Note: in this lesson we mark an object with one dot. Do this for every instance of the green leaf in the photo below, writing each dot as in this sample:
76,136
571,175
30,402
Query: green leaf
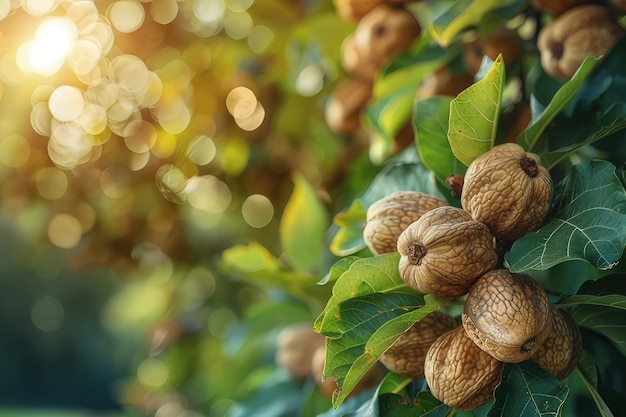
587,222
474,115
368,326
303,225
385,116
603,408
612,300
256,264
430,124
607,321
349,237
552,157
587,368
464,14
363,277
529,139
527,390
338,269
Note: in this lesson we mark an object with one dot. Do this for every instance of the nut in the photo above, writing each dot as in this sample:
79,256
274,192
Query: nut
295,347
502,40
581,32
327,386
556,7
560,352
444,252
354,10
507,189
355,61
459,373
343,109
406,356
388,217
384,33
444,83
507,315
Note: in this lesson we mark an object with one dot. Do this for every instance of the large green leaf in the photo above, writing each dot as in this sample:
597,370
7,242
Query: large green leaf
527,390
474,115
611,300
256,264
368,326
303,225
430,124
461,15
349,237
587,222
603,408
566,144
607,321
362,277
530,138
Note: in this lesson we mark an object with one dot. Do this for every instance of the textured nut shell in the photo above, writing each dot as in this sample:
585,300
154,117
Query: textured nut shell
502,40
556,7
507,315
388,217
583,31
456,250
560,352
343,110
384,33
354,61
295,347
406,356
459,373
498,192
354,10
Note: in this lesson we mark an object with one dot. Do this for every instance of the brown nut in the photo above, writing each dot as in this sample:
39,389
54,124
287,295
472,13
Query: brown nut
560,352
556,7
387,217
355,61
585,31
507,315
327,386
406,356
507,189
384,33
344,106
444,252
459,373
354,10
444,83
502,40
295,347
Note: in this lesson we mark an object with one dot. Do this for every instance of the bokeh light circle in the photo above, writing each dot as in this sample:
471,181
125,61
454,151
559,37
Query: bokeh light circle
64,231
126,15
66,103
257,210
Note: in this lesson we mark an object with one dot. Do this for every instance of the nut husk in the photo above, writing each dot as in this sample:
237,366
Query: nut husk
384,33
560,352
459,373
507,315
406,356
507,189
295,347
502,40
389,216
444,252
585,31
343,109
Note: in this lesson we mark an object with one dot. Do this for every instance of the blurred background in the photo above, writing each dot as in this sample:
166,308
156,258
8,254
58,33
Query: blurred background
138,141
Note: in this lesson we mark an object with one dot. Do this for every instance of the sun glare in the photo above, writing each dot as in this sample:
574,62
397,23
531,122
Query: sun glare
46,53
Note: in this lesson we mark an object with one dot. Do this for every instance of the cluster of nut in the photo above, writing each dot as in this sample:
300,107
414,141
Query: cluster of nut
302,353
385,29
451,252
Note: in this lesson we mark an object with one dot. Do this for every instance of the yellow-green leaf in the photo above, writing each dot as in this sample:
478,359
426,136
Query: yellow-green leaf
303,225
474,115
